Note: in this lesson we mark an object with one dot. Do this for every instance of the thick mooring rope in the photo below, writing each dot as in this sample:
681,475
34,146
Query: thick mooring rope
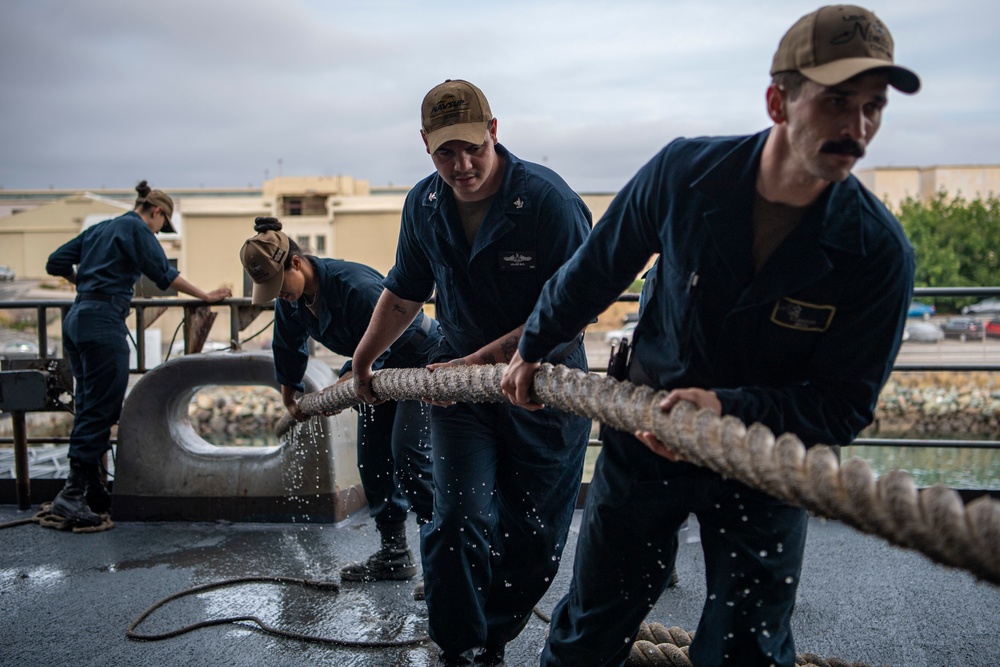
934,521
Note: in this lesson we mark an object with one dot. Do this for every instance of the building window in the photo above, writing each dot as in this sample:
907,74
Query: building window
303,242
320,245
314,205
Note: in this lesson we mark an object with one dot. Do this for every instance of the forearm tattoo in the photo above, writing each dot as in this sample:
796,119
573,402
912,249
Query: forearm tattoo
508,346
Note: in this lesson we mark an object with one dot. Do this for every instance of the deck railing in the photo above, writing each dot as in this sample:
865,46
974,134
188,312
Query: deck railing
242,313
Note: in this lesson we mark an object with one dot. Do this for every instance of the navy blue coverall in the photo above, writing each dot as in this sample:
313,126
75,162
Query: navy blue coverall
393,438
506,479
110,257
803,346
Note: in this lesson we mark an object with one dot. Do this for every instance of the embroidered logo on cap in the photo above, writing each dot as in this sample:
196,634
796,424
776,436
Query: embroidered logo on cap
802,316
449,105
258,273
873,34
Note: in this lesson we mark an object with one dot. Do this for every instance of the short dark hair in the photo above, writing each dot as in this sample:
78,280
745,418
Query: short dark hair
789,81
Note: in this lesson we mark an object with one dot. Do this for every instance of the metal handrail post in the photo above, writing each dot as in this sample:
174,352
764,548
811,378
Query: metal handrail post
21,459
63,312
43,334
140,338
234,327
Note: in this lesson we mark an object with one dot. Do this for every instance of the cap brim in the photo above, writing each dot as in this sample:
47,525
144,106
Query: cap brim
473,133
838,71
168,226
267,291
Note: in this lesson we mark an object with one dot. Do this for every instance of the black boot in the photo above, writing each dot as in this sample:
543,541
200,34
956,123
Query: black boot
490,656
97,494
453,659
71,503
492,653
393,561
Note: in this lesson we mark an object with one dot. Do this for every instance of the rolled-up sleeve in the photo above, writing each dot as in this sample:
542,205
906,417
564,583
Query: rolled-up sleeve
150,258
290,346
412,277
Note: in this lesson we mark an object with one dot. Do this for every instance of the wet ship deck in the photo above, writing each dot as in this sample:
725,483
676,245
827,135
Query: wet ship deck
67,599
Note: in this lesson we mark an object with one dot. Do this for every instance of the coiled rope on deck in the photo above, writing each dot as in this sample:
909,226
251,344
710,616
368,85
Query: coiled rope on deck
329,586
934,521
655,645
659,646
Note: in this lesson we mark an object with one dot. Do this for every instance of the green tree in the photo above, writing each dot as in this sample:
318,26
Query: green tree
957,242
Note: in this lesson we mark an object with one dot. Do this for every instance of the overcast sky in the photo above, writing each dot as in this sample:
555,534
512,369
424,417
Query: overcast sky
226,93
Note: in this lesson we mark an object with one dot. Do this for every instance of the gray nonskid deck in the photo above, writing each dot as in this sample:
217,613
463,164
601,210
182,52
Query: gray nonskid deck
67,599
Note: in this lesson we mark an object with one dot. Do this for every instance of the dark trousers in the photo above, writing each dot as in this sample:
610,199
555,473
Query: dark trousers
394,460
506,482
94,336
753,546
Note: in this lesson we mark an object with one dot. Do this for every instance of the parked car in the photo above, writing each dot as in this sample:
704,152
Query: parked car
993,328
922,310
922,332
616,336
986,306
22,349
963,328
6,274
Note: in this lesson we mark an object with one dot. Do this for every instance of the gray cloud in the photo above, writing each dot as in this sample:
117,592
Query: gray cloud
185,93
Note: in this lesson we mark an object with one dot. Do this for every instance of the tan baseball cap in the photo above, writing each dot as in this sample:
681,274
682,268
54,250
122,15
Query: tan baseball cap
452,110
263,257
837,42
166,204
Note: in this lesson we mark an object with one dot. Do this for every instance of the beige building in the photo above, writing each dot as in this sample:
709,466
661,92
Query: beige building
895,184
336,216
27,238
328,216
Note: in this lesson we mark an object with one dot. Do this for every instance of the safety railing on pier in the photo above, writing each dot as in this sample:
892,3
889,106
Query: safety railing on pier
199,317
